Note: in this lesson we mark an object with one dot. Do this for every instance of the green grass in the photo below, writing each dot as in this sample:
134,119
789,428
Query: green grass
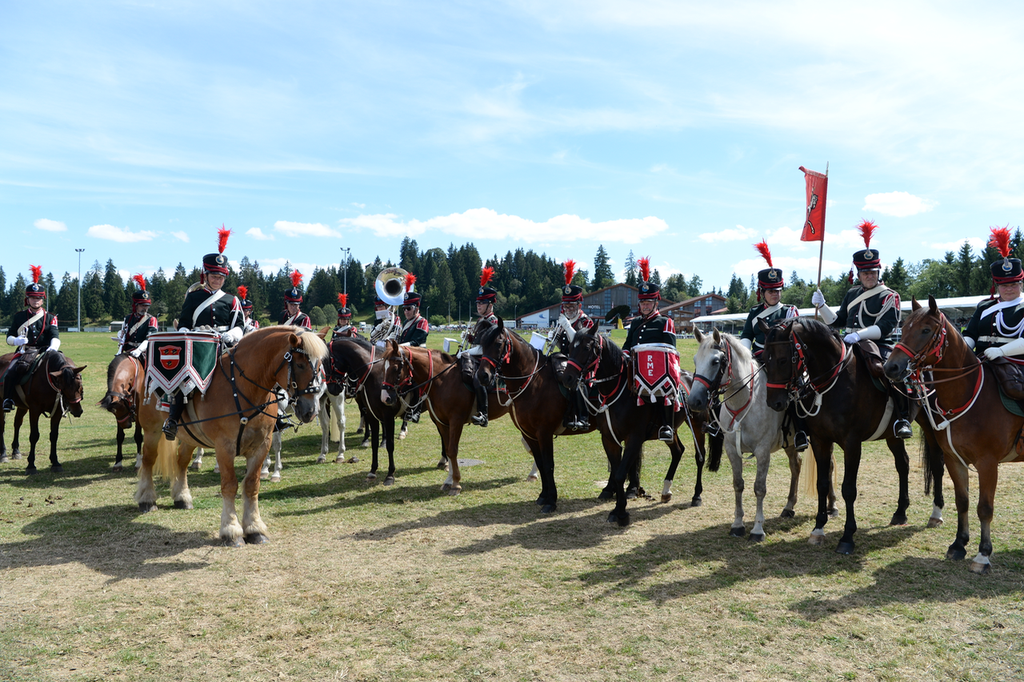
363,582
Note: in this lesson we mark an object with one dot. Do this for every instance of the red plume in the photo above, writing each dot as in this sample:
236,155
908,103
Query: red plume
222,238
296,278
243,292
762,248
867,228
849,277
410,279
570,270
1000,240
485,276
140,281
343,300
645,268
37,272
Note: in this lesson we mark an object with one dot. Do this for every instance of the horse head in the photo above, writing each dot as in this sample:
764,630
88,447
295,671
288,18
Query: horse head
67,379
497,347
924,336
397,373
584,357
711,363
306,351
781,364
120,397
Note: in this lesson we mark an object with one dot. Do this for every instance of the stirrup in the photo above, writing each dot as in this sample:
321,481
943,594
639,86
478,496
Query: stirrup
800,441
8,405
170,429
413,416
902,429
480,419
666,434
712,429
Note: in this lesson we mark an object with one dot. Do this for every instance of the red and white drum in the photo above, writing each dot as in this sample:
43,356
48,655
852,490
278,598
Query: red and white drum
181,361
655,372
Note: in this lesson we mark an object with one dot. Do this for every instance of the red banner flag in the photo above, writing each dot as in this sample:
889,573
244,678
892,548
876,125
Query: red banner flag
814,223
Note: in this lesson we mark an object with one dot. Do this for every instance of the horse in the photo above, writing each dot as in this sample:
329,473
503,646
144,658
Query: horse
123,373
537,406
235,417
54,389
725,366
408,370
359,363
951,383
331,408
806,361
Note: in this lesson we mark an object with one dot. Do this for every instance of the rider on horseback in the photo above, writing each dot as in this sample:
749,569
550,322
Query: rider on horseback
870,312
414,333
653,327
770,283
997,326
571,321
470,358
134,335
344,329
208,306
251,323
292,298
32,330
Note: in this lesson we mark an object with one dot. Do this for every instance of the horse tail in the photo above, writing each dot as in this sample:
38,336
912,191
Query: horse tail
809,473
932,461
715,459
166,464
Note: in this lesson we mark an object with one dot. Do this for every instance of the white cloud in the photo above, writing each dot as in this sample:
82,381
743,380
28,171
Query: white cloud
358,205
977,245
50,225
119,234
899,204
183,236
486,223
728,235
257,233
290,229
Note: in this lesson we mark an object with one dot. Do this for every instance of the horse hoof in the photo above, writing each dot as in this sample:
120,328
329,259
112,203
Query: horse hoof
402,434
16,455
787,514
898,520
276,478
365,443
532,478
353,460
934,522
57,468
117,468
844,548
631,494
816,540
756,537
665,499
620,518
389,480
264,476
237,542
695,502
956,554
322,459
256,539
737,531
606,495
371,477
194,466
4,459
31,471
448,486
548,508
455,490
182,504
442,463
146,507
980,569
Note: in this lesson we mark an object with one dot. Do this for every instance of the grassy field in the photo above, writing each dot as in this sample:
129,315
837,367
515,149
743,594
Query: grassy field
366,582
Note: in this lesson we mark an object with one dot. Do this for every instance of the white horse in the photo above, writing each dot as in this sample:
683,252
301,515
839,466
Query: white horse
725,366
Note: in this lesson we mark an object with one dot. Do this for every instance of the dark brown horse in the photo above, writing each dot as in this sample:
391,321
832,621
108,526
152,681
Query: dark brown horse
961,400
123,374
806,361
412,374
54,389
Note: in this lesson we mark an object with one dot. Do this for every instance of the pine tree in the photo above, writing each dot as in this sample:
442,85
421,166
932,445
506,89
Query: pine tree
630,270
603,275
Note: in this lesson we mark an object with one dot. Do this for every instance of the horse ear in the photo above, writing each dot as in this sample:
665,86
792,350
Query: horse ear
914,305
716,335
697,335
56,375
933,307
393,346
763,326
323,333
78,370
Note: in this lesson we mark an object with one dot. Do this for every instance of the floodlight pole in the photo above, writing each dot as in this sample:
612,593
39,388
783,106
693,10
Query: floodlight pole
79,288
344,268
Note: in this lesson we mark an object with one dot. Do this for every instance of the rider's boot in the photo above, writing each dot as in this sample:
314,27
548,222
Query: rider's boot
800,428
902,426
10,381
170,427
480,418
666,432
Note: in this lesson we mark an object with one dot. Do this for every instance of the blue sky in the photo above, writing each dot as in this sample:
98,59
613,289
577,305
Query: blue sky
672,129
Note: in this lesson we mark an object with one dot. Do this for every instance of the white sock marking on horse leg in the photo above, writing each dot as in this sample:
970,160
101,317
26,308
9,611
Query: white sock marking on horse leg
981,559
666,488
936,512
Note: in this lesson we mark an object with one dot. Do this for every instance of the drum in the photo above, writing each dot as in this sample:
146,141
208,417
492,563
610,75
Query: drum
655,371
182,361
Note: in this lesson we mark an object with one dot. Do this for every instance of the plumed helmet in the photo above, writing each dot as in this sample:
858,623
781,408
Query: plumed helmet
571,293
141,296
294,295
344,312
867,258
770,277
243,298
1005,270
486,294
648,290
217,263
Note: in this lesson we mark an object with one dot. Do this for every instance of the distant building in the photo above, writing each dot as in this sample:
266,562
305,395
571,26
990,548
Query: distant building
596,304
683,312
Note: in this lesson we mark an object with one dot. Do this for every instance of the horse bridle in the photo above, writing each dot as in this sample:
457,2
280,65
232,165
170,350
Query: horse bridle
937,344
799,376
128,399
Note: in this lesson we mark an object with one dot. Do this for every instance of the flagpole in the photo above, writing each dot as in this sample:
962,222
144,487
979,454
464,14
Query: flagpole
821,249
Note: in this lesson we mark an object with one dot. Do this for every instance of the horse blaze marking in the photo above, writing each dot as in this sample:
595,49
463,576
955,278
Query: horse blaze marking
170,356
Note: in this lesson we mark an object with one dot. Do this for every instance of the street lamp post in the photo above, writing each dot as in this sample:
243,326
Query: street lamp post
79,288
344,267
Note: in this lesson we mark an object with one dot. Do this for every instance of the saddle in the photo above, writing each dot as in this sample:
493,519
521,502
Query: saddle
869,353
1010,376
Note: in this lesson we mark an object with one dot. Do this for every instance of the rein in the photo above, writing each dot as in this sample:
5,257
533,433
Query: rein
505,355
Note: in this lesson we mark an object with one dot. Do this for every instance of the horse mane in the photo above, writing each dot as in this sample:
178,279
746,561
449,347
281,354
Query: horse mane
741,352
816,328
312,344
113,367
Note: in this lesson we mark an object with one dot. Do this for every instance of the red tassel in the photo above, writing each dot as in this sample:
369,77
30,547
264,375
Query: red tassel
645,268
485,276
222,238
762,248
867,228
992,292
1000,240
243,292
140,281
296,278
37,272
410,280
343,300
570,270
850,278
759,294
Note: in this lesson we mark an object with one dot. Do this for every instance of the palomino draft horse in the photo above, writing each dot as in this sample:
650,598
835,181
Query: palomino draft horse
807,362
235,418
53,390
435,378
123,373
726,368
624,425
962,402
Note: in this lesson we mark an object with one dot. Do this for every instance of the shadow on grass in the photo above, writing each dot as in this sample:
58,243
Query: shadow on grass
92,537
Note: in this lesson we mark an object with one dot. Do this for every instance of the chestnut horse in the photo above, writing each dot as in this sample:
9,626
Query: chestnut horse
236,418
53,390
123,373
961,399
806,361
435,378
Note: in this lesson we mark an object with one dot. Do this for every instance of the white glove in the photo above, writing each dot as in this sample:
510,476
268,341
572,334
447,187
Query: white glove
231,336
818,298
993,352
136,353
54,345
16,340
852,337
566,326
